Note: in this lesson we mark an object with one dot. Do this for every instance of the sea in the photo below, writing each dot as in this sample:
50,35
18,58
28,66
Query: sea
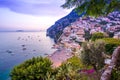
16,47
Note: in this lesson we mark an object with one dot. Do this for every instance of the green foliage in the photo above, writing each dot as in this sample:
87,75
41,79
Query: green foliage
111,44
116,71
33,69
76,62
71,3
93,7
115,74
111,34
98,35
69,70
65,72
40,69
87,35
92,54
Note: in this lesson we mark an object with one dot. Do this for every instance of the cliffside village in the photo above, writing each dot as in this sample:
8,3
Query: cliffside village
76,31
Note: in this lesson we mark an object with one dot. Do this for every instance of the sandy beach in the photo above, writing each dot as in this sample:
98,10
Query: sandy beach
60,56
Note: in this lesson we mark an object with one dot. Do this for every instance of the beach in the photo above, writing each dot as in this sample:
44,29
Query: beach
60,56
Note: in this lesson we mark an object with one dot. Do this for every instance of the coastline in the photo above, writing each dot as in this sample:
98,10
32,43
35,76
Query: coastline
17,47
59,56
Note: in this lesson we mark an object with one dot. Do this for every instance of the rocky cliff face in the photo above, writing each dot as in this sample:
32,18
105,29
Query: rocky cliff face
56,30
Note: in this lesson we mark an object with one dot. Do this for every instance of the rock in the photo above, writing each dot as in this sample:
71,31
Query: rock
107,73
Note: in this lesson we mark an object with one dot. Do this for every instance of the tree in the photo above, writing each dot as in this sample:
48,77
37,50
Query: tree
93,7
33,69
87,35
111,34
92,54
98,35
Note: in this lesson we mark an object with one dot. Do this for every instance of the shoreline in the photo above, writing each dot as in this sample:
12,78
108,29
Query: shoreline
59,56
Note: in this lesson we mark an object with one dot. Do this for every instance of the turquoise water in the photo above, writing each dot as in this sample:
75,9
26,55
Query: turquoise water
16,47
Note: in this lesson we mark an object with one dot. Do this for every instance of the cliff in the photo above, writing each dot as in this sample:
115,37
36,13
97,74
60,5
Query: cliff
108,22
56,30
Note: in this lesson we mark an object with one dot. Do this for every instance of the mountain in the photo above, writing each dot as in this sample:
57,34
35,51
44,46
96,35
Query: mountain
56,30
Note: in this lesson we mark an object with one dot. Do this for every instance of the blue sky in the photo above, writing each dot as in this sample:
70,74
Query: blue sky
30,14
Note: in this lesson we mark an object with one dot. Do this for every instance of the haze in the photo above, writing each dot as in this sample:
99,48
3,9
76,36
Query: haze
30,14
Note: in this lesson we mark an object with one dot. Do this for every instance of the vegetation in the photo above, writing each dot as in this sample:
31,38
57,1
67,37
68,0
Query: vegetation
59,33
87,35
98,35
111,44
40,68
66,71
111,34
115,74
69,70
116,70
33,69
103,22
76,62
92,54
93,7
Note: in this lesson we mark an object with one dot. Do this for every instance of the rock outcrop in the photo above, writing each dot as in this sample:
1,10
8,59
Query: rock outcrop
107,73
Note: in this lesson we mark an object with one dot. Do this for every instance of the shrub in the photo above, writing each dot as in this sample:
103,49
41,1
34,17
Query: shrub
87,35
111,44
66,71
76,62
92,54
32,69
69,69
115,74
98,35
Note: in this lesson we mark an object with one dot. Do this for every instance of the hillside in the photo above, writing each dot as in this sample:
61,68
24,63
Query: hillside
56,30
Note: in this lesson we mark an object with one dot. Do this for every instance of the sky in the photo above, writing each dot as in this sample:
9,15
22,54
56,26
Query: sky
30,14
